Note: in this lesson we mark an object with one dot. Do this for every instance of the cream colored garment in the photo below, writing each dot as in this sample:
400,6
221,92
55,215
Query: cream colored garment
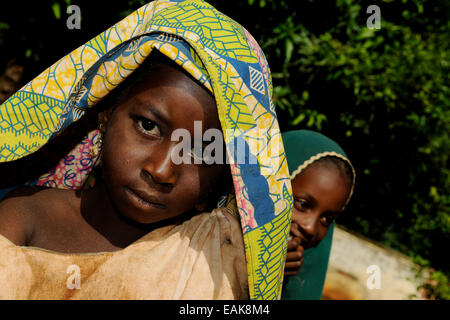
203,258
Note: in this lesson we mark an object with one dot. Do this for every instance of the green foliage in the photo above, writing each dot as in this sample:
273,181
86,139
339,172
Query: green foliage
437,287
381,94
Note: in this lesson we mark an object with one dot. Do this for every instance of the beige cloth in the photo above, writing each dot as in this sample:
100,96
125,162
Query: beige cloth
203,258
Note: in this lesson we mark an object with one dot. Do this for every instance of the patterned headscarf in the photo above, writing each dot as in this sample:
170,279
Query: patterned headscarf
303,148
216,51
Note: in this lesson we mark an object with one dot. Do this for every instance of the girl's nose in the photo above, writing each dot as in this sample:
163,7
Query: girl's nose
310,227
161,167
307,224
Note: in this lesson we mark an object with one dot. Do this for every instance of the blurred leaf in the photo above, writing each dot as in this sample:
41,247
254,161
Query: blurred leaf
56,7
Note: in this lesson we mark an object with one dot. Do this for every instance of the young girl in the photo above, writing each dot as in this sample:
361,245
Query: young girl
322,184
143,228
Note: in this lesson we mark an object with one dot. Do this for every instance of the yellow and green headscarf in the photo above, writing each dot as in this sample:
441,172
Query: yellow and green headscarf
216,51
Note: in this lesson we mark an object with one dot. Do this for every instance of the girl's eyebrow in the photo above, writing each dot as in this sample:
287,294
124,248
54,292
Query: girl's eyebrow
156,113
148,106
306,195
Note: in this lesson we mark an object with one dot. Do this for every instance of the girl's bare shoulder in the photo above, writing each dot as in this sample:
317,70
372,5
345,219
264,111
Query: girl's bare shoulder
21,209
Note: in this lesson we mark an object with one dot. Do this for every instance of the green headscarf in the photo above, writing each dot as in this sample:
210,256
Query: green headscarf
304,147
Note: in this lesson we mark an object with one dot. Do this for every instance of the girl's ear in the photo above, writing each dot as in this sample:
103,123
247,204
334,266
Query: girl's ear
103,118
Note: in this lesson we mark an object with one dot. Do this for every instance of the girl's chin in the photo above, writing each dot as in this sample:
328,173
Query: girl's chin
142,219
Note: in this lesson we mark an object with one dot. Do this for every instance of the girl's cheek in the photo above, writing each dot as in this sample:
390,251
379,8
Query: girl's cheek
214,175
322,234
117,153
191,183
196,182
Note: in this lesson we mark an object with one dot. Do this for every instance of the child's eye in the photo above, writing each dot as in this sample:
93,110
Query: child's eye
302,204
208,159
327,220
199,158
148,126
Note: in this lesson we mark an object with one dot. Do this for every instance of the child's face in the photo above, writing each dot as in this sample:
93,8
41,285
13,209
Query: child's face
142,181
320,194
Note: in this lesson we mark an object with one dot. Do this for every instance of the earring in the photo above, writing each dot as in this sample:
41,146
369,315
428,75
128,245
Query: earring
200,207
97,147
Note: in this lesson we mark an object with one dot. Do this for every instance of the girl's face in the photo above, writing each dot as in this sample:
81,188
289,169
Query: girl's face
320,193
142,181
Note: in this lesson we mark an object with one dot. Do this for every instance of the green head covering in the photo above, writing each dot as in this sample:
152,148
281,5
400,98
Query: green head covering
304,147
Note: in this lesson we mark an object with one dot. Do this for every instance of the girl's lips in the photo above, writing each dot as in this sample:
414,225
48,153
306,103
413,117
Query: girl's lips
143,199
305,243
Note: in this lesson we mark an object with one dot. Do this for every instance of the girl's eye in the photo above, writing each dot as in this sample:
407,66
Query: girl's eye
148,126
197,157
302,204
327,220
209,159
